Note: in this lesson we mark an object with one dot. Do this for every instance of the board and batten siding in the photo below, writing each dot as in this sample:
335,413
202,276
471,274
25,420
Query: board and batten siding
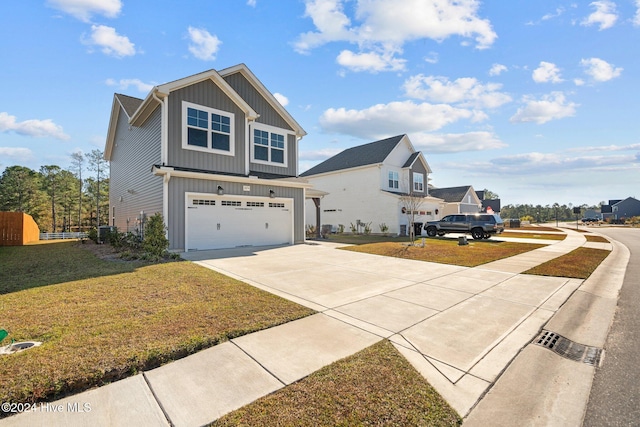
268,116
179,186
207,94
132,186
418,167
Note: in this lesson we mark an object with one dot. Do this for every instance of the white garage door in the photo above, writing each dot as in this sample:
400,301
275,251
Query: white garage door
214,222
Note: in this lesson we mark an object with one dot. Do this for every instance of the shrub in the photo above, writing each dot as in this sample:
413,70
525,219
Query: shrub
384,228
367,228
93,235
155,241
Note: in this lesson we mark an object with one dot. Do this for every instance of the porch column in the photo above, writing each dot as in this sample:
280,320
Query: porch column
316,201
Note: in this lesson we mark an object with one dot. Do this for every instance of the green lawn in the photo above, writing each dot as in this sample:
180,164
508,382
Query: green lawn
100,321
447,251
376,386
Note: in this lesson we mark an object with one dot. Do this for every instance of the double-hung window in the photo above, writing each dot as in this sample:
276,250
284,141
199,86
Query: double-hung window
393,180
207,129
418,182
269,145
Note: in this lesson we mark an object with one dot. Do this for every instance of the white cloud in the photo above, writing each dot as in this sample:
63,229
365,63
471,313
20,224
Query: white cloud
456,142
432,58
123,84
497,69
319,154
466,91
251,3
556,162
604,15
17,154
384,120
550,107
84,9
370,61
546,72
283,100
600,70
636,17
559,11
112,43
203,44
35,128
383,27
630,147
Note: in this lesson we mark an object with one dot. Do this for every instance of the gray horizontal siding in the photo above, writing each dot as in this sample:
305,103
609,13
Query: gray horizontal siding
207,94
132,186
268,116
179,186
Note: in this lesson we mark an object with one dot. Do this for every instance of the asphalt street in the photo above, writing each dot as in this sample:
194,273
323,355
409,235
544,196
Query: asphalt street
615,394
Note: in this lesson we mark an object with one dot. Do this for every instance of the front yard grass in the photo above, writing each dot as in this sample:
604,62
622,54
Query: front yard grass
376,386
101,321
447,251
578,264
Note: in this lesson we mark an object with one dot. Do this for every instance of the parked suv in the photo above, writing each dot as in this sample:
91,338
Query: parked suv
481,226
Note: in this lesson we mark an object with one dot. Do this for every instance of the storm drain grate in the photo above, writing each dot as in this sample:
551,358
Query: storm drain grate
569,349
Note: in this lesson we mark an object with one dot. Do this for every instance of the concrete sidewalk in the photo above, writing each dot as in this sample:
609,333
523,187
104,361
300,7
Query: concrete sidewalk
460,327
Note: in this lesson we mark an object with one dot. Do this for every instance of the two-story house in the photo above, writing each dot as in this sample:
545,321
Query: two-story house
216,154
371,183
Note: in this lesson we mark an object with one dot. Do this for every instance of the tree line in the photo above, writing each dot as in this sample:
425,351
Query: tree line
59,199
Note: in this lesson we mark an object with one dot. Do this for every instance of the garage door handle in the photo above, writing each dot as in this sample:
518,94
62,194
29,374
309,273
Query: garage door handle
218,226
266,225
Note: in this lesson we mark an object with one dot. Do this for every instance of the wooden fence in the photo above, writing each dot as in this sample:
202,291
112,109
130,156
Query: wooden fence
17,229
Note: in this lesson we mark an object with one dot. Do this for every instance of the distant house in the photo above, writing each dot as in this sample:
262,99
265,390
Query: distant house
216,154
369,184
458,199
488,205
626,208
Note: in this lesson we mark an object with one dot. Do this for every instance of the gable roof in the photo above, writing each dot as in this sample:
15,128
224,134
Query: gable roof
450,194
362,155
266,94
129,103
138,111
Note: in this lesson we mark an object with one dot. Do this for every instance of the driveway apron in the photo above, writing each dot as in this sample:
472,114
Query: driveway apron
458,326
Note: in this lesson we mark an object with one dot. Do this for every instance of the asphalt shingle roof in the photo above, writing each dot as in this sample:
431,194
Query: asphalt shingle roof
129,103
362,155
451,194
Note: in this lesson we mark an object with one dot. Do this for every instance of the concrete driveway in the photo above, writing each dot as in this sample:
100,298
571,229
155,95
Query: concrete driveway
458,326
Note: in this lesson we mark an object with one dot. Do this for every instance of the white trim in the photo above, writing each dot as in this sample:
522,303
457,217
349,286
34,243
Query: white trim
215,196
232,118
165,202
164,131
270,129
414,182
164,170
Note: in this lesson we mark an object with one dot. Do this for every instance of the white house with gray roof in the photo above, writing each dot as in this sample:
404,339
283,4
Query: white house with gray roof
367,184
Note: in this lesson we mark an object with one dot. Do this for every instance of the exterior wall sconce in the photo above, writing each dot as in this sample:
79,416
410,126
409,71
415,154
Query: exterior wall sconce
272,194
220,191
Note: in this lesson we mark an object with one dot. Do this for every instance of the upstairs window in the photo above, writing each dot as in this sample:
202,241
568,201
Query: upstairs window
393,180
418,182
207,129
269,145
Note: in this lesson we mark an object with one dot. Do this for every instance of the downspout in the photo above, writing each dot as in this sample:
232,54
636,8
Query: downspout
164,157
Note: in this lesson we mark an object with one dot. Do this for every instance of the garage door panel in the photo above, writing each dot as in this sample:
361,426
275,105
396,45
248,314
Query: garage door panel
228,221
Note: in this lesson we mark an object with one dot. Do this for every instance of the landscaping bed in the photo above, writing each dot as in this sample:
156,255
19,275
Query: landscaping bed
100,321
376,386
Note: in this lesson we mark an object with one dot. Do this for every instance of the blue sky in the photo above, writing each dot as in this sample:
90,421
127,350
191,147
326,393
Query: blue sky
534,100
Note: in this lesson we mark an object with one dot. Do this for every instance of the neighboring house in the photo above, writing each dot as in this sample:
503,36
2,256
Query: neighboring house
216,154
626,208
458,199
370,184
488,205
